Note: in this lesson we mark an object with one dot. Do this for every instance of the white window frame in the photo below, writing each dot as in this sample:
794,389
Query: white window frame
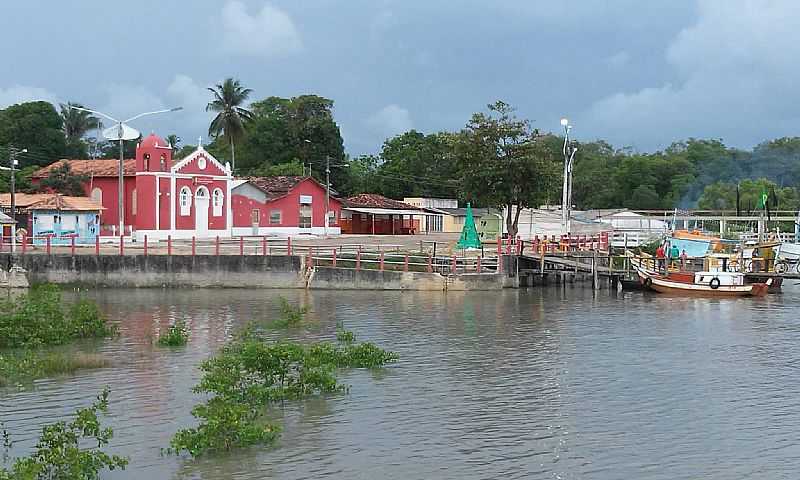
97,195
217,201
280,217
185,201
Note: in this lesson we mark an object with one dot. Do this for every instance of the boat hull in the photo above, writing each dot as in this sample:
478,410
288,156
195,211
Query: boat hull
664,285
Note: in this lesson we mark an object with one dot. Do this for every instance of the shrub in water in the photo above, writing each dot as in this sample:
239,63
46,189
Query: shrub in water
291,316
251,373
69,450
176,336
40,318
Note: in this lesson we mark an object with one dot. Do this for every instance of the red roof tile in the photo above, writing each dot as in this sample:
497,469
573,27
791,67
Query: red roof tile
279,186
49,201
373,200
102,167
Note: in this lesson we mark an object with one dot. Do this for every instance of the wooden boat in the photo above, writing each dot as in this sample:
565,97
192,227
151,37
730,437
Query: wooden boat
701,284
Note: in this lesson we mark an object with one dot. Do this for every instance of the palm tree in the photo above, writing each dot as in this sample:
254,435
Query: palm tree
173,140
229,96
76,122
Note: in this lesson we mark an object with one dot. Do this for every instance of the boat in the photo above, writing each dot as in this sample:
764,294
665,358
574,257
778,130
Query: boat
700,284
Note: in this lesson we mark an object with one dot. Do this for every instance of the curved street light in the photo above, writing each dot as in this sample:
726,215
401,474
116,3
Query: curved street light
123,132
569,151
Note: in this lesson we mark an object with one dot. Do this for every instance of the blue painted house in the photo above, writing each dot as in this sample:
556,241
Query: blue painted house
59,217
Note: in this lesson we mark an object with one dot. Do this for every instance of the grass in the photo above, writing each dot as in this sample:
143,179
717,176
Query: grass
176,336
20,366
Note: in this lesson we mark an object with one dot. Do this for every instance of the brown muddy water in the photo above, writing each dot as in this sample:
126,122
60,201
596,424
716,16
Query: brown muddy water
547,383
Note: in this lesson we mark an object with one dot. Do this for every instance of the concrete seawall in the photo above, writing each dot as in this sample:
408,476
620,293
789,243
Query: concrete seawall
231,271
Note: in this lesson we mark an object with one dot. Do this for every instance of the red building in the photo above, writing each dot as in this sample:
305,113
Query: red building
190,198
198,197
283,205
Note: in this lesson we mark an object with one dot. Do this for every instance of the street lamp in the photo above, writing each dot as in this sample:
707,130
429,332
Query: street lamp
122,132
569,151
328,189
12,167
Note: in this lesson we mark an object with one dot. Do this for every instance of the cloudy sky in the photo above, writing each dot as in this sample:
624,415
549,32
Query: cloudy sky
638,74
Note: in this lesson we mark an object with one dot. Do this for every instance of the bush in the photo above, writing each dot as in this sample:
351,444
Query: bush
251,373
176,336
69,450
40,318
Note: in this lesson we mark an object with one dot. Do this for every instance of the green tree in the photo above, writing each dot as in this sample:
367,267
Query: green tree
76,123
35,126
229,98
502,164
417,165
62,180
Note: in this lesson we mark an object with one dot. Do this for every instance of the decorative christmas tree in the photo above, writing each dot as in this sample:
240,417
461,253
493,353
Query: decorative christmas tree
469,235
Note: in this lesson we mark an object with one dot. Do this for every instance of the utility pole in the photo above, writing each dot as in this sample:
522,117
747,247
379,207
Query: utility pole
13,161
327,191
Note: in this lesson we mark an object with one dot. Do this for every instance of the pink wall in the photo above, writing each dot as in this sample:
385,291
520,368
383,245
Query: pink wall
289,207
186,222
145,209
109,186
164,202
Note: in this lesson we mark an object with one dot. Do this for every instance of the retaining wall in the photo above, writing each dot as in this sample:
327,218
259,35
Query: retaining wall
231,271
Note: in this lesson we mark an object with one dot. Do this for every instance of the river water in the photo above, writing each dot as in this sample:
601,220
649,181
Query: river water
547,383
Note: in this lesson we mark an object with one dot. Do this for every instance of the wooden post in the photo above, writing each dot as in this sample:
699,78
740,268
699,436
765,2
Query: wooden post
169,244
358,259
334,256
478,265
121,245
453,265
145,245
97,244
541,264
288,245
47,243
72,245
381,261
24,243
499,245
194,246
241,246
405,263
430,263
264,246
216,246
595,284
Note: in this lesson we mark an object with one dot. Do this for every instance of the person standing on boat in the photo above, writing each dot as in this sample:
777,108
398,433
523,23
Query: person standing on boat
661,258
674,253
684,257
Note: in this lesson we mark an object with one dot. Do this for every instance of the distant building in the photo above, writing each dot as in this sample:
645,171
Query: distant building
434,219
59,217
6,226
283,205
370,213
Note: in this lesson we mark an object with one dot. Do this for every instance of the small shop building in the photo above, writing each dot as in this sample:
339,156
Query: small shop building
6,226
373,214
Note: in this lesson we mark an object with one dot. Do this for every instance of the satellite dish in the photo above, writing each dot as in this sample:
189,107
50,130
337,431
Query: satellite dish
128,133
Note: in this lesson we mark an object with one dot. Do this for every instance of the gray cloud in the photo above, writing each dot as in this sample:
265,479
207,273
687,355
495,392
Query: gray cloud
268,32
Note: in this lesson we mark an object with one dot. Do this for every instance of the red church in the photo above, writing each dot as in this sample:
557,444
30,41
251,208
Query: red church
198,197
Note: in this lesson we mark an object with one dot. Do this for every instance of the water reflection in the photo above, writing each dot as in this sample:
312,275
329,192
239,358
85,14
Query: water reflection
543,383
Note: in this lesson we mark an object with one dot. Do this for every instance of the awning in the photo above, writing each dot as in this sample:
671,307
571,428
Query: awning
384,211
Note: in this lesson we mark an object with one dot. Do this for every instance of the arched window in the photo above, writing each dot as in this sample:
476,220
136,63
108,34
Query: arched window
185,200
217,201
146,162
97,195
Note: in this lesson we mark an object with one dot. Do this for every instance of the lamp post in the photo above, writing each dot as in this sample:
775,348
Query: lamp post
569,151
12,167
122,132
328,189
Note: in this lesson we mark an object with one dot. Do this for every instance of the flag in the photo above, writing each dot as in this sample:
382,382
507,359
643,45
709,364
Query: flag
762,200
